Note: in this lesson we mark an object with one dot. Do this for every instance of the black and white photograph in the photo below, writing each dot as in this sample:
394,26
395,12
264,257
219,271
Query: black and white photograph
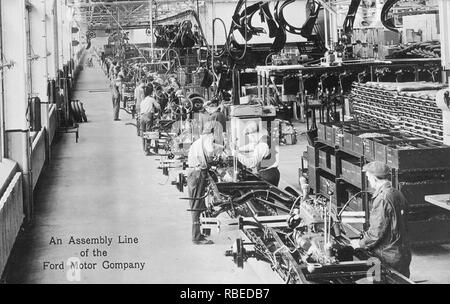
224,147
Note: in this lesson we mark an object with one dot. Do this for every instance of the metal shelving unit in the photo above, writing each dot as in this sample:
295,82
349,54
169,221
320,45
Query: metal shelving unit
419,167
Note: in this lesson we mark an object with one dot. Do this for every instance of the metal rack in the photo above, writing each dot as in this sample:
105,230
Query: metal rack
419,167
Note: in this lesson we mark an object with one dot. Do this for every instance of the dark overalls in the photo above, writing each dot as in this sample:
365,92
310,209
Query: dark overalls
387,236
116,97
197,180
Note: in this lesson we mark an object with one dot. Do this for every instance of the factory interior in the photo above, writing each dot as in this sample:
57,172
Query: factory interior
225,141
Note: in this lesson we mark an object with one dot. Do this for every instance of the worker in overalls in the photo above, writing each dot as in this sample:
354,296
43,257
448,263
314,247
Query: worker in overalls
201,152
387,236
138,98
117,88
252,154
149,107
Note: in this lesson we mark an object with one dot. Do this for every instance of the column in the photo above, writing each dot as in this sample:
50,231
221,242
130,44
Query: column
442,100
52,38
38,38
17,137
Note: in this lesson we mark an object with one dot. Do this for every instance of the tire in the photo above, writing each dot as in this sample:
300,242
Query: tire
83,113
78,108
74,111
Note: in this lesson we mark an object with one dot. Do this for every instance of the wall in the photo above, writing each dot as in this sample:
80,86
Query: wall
427,24
11,217
139,36
38,156
49,43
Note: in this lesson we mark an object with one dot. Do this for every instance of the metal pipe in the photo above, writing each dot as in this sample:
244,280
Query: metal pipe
46,76
326,28
151,32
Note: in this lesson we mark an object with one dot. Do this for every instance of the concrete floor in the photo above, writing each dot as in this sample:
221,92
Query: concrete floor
105,186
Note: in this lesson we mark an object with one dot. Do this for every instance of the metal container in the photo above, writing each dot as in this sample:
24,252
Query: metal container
313,157
327,161
351,172
425,155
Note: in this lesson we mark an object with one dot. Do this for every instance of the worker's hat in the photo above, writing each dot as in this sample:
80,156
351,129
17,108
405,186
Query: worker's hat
377,169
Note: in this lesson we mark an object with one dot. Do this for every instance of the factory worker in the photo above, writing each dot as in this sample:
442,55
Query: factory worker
387,235
257,149
112,70
161,96
145,72
216,114
117,87
201,152
139,94
122,72
149,108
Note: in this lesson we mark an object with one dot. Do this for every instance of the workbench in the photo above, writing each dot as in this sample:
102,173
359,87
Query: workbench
440,200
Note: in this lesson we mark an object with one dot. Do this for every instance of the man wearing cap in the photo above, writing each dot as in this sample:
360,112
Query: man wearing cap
201,152
387,236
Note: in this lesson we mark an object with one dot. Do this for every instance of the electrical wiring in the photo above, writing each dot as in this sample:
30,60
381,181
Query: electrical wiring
267,58
388,23
245,38
234,25
351,15
114,18
214,34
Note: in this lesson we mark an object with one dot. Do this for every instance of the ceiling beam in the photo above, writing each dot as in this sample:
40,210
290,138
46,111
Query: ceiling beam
115,3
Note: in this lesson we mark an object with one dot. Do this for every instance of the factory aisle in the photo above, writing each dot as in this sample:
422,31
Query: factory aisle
104,187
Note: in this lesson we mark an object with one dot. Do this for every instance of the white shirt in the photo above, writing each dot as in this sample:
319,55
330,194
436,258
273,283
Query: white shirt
197,152
253,159
196,156
139,96
148,105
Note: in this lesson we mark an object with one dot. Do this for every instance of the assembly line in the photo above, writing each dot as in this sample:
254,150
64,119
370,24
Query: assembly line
224,142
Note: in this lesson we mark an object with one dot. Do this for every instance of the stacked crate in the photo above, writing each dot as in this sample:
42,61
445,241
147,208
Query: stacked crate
399,150
419,167
375,104
410,107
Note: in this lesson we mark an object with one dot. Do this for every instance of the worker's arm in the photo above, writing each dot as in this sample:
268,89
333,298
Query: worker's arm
156,104
247,148
256,157
380,218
